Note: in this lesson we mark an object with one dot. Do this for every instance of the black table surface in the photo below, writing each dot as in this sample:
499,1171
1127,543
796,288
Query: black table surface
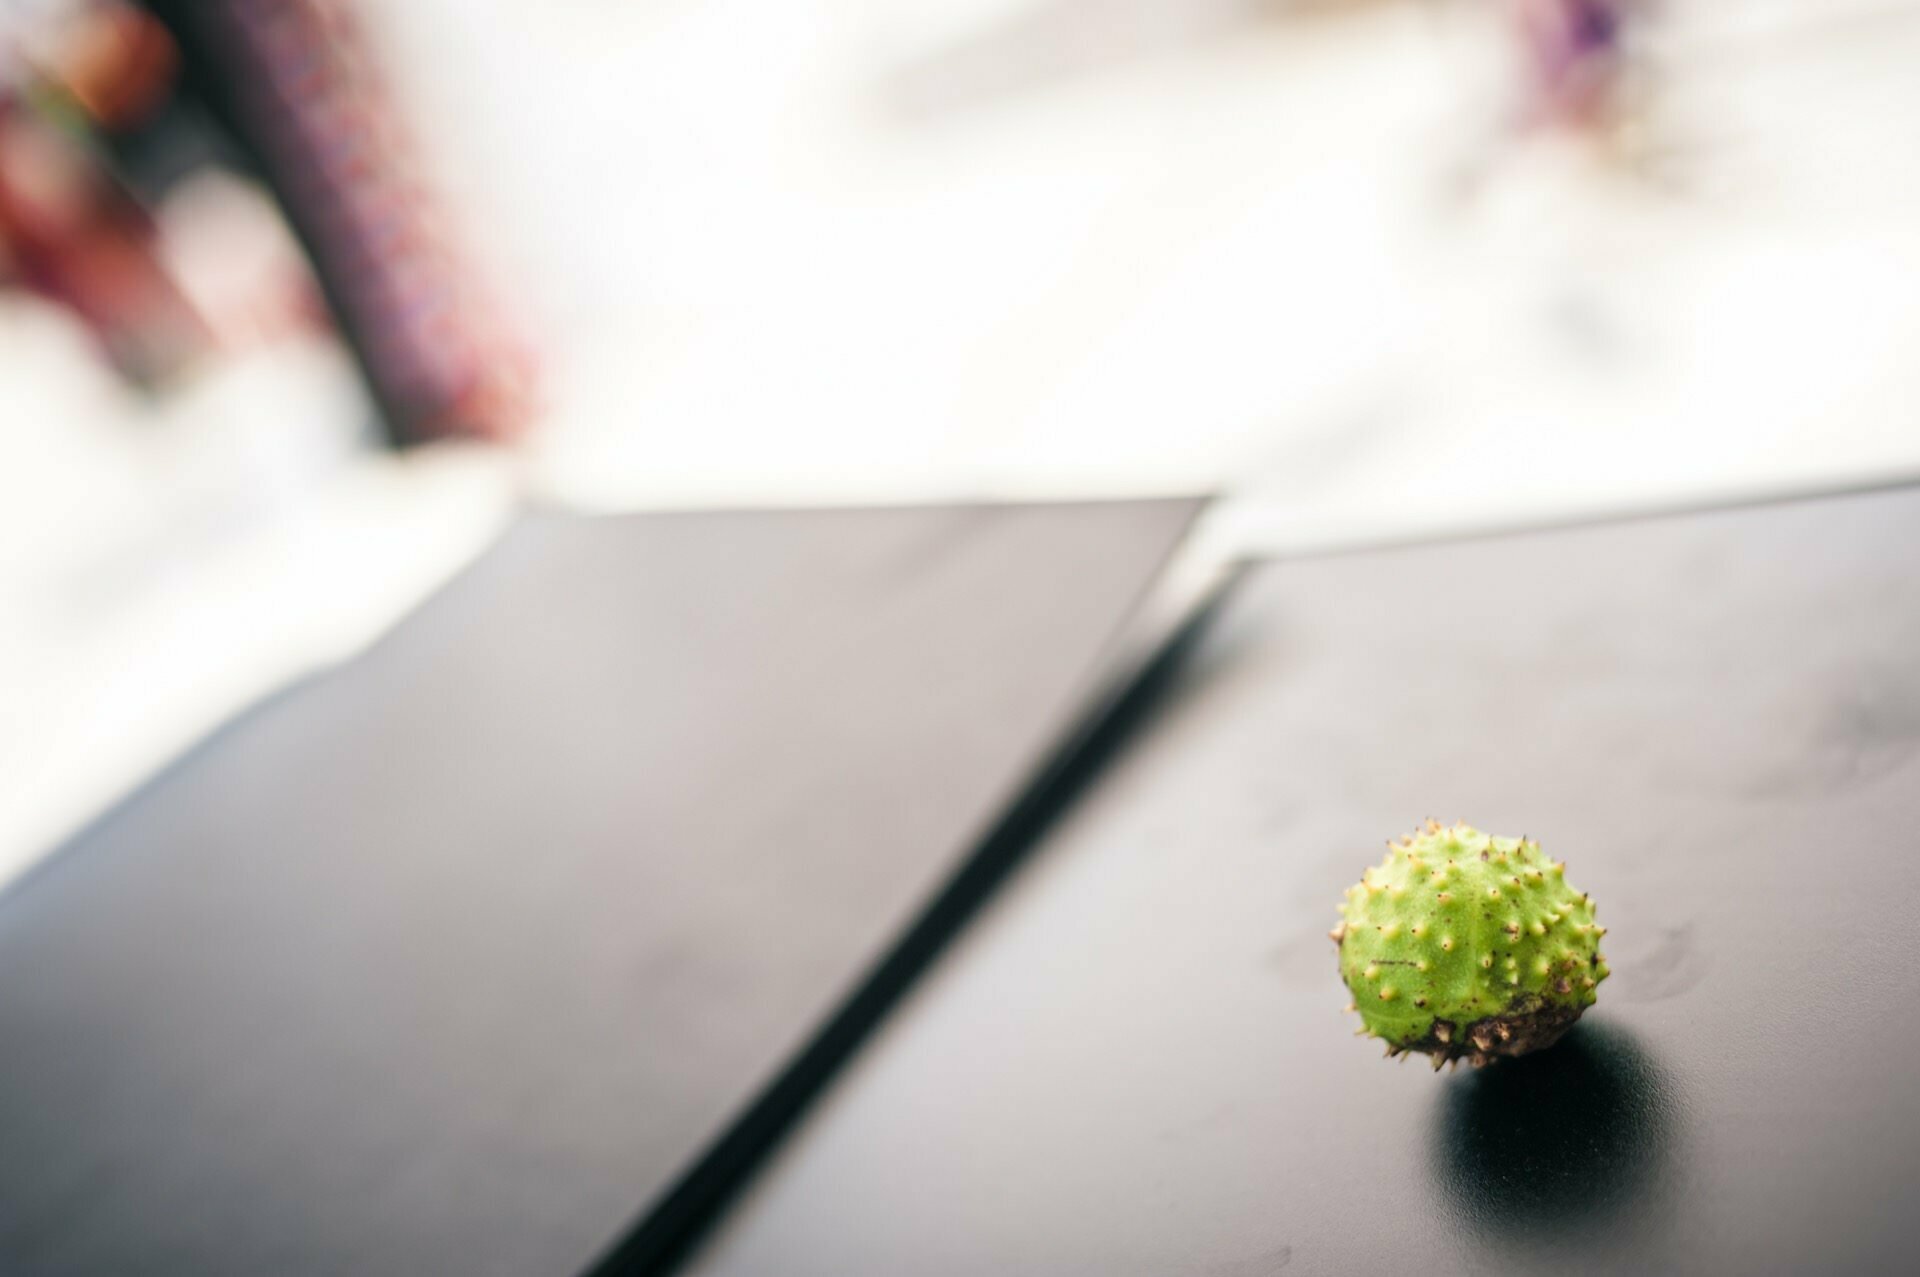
1137,1061
454,960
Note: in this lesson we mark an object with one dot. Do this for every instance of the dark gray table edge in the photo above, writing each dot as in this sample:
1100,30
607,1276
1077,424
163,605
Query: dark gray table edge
1164,625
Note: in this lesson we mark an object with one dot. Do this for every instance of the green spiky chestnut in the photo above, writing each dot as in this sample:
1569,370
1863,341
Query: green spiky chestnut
1465,946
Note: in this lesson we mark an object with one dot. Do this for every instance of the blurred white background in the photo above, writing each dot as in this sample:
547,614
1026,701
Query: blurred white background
1308,253
868,249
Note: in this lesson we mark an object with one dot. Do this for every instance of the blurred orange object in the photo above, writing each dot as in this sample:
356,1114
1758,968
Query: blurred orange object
118,63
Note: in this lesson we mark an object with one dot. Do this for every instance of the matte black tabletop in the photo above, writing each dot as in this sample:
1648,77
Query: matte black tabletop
1137,1061
459,959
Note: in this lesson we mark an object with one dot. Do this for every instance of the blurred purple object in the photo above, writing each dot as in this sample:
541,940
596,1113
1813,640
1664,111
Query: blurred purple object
1575,57
298,85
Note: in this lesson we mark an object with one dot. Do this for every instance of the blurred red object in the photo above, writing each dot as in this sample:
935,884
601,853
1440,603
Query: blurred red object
70,234
284,93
